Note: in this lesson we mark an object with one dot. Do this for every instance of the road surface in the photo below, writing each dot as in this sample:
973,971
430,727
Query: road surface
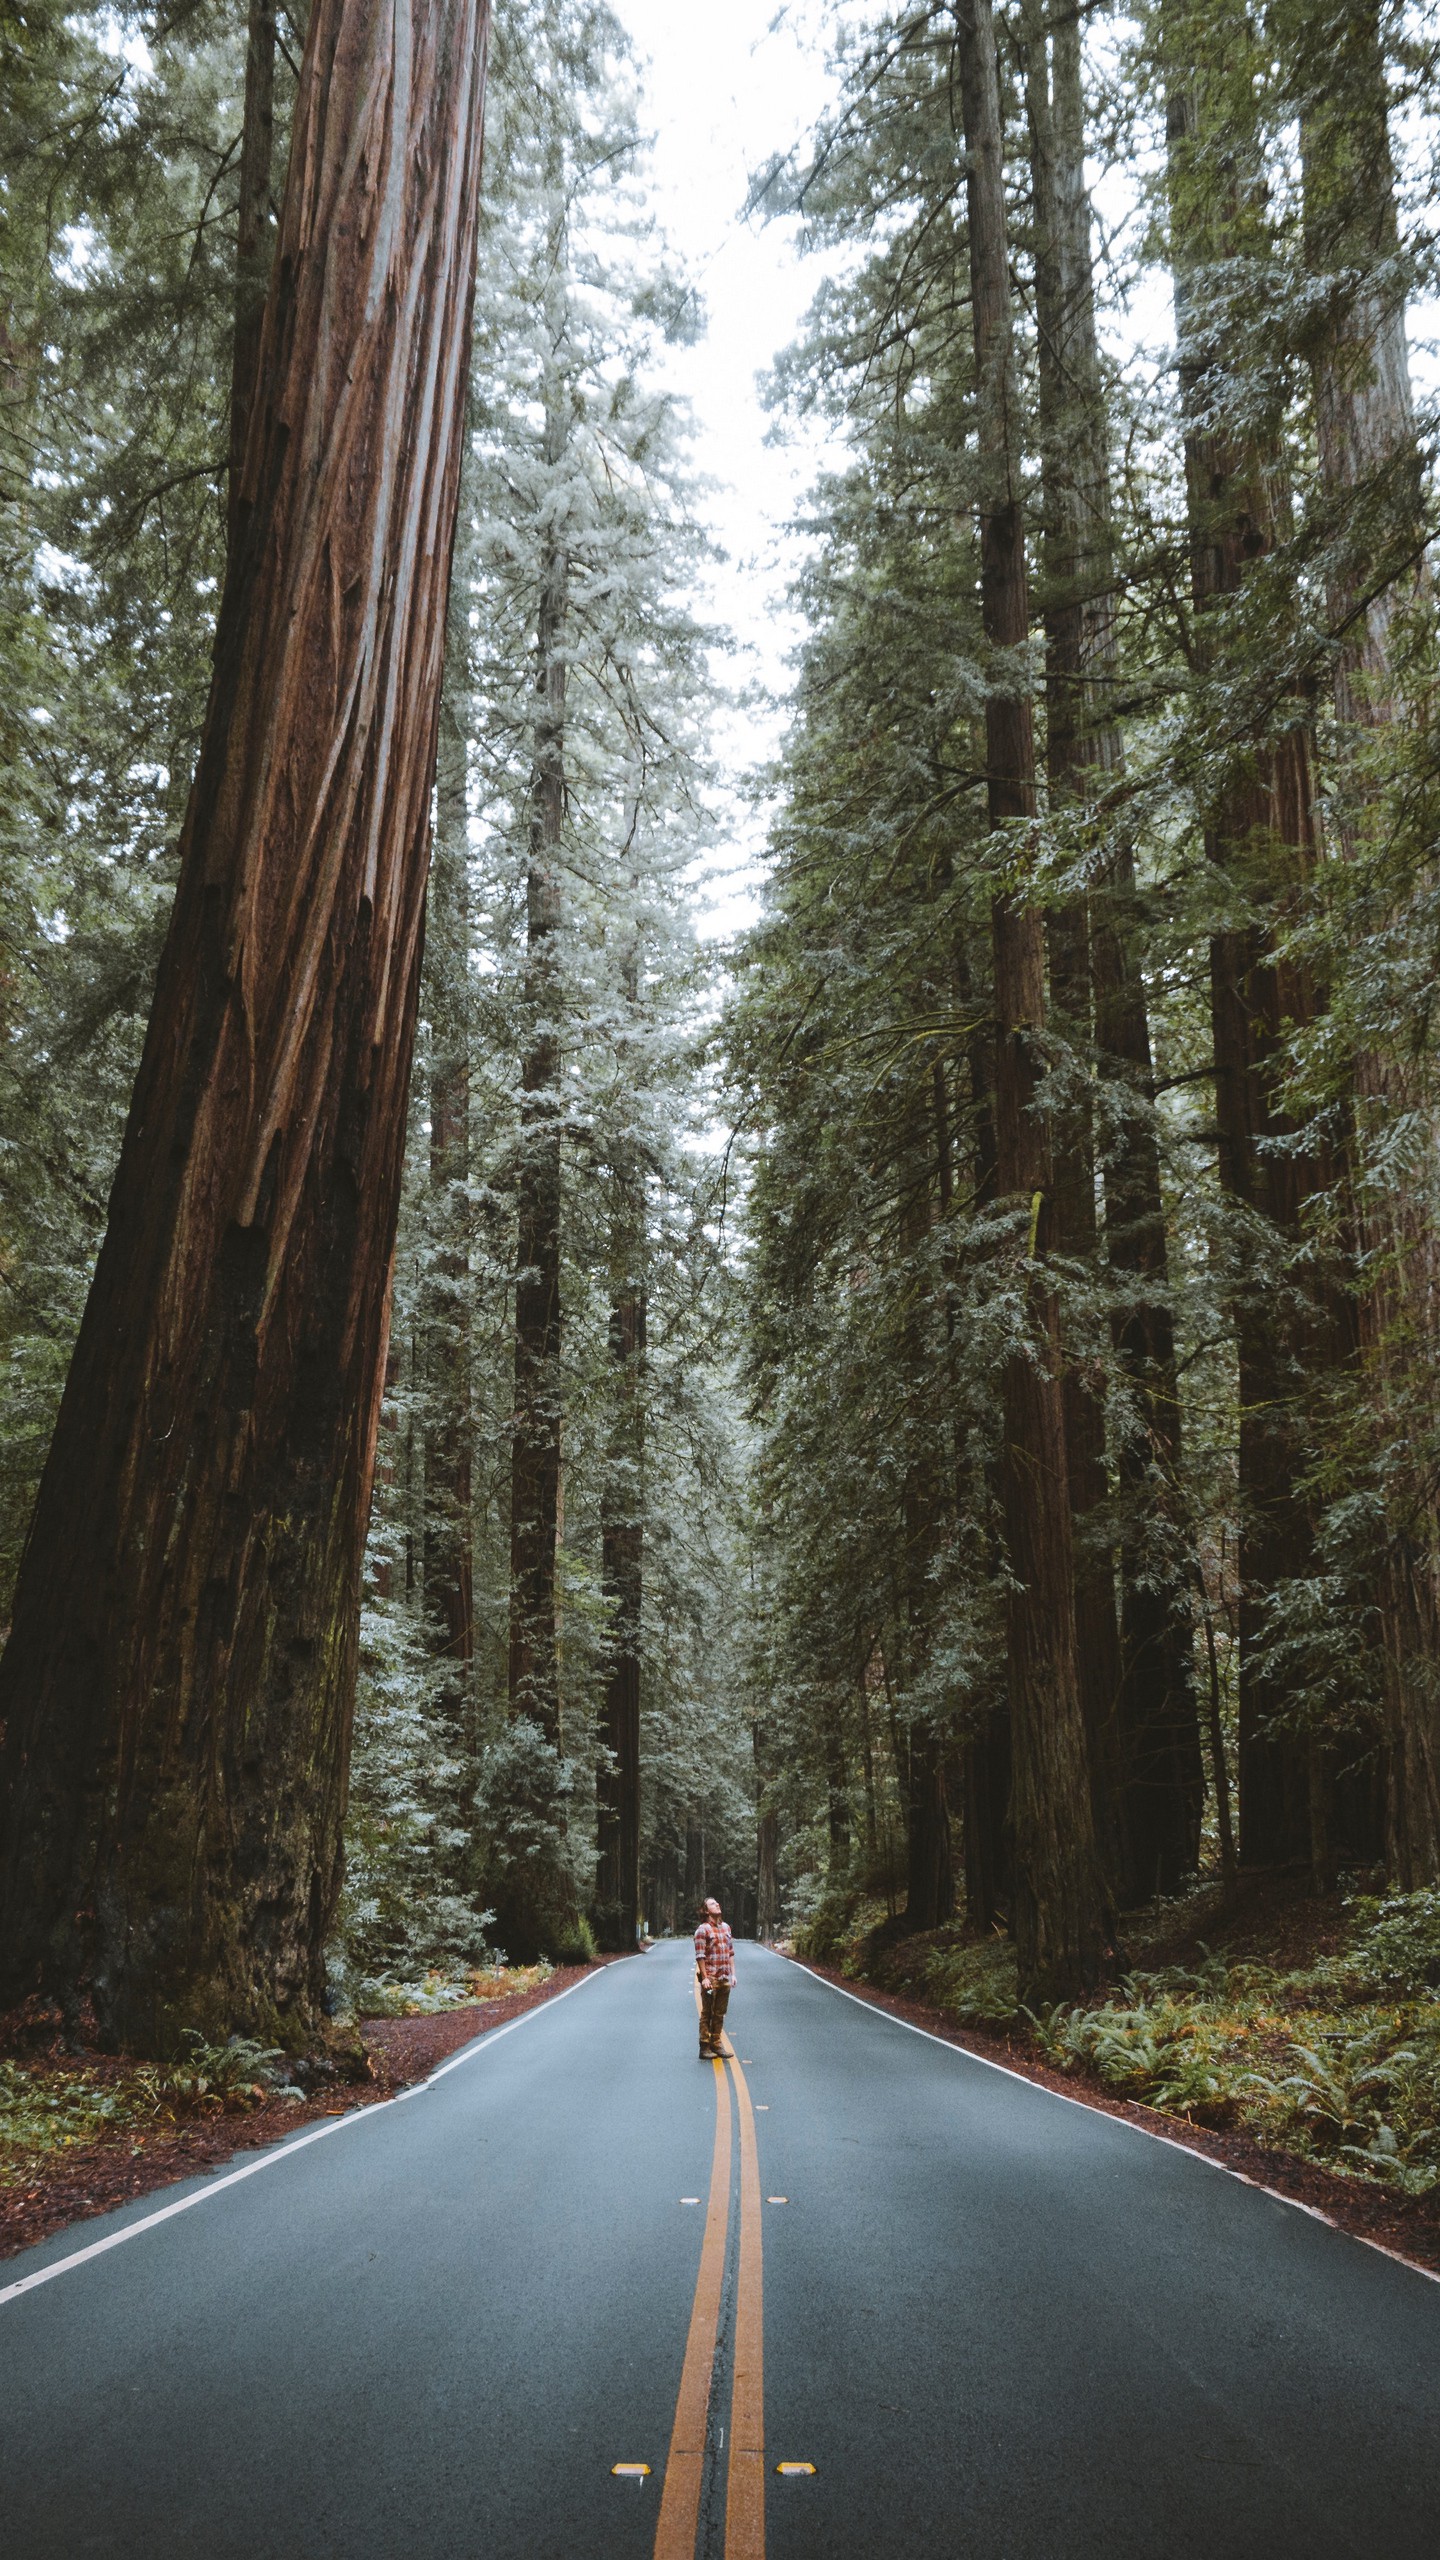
998,2325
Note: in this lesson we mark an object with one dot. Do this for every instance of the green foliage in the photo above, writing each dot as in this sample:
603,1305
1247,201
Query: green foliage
42,2112
1397,1942
976,1983
47,2107
240,2070
411,1897
576,1945
1312,2061
834,1928
385,1997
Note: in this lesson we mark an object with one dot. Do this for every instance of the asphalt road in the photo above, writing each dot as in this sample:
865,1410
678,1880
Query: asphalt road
999,2325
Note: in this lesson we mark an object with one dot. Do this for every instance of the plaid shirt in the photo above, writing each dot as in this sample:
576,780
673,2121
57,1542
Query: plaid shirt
714,1953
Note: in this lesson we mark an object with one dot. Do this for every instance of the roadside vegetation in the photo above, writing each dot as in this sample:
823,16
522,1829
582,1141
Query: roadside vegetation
1329,2051
51,2104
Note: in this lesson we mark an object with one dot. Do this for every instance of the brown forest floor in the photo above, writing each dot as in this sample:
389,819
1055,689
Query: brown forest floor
1274,1919
134,2159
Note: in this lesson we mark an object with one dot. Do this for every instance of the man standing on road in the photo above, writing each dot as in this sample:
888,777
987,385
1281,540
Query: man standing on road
715,1972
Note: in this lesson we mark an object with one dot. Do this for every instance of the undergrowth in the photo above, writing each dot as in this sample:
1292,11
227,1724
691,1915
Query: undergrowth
48,2106
383,1996
1338,2061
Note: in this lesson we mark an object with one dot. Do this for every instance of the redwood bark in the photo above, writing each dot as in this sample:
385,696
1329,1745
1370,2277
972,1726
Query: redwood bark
1139,1693
178,1685
1370,473
1059,1917
1074,1226
1261,834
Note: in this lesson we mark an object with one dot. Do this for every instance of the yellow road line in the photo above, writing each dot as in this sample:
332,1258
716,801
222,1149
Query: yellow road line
684,2469
745,2485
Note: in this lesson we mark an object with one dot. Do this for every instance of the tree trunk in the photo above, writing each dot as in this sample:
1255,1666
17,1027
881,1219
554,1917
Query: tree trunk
535,1462
767,1893
1261,835
178,1686
252,250
837,1796
930,1890
1370,474
449,1573
696,1887
1059,1915
622,1537
986,1772
1074,1228
1140,1702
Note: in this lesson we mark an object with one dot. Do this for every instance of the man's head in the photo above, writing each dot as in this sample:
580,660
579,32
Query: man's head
712,1909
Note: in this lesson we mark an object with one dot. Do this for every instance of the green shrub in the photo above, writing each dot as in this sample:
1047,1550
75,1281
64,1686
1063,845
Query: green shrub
45,2111
825,1937
1397,1946
575,1943
977,1984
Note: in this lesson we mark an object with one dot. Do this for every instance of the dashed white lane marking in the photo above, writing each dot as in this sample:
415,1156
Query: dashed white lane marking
1064,2099
286,2151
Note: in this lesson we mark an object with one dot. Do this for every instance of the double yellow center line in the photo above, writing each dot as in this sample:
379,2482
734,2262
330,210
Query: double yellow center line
685,2468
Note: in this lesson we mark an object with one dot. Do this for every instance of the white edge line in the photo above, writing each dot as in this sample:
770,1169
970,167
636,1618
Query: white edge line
1144,2130
286,2150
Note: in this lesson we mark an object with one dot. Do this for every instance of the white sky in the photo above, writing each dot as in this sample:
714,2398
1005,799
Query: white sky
725,89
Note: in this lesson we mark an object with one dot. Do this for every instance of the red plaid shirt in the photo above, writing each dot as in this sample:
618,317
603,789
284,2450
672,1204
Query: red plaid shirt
715,1952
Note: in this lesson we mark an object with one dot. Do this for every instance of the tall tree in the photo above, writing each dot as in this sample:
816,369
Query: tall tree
1059,1916
1140,1702
177,1686
535,1462
1290,1320
1371,487
617,1866
447,1312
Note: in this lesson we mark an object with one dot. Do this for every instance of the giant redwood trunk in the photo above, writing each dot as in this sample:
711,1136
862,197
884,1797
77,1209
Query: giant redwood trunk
177,1687
1260,834
1059,1915
622,1565
1139,1693
1370,475
1073,1224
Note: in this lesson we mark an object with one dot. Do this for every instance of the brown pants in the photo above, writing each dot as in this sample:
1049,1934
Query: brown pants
713,2005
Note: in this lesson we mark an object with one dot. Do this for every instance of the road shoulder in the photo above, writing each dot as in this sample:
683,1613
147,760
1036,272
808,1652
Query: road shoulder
1403,2227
